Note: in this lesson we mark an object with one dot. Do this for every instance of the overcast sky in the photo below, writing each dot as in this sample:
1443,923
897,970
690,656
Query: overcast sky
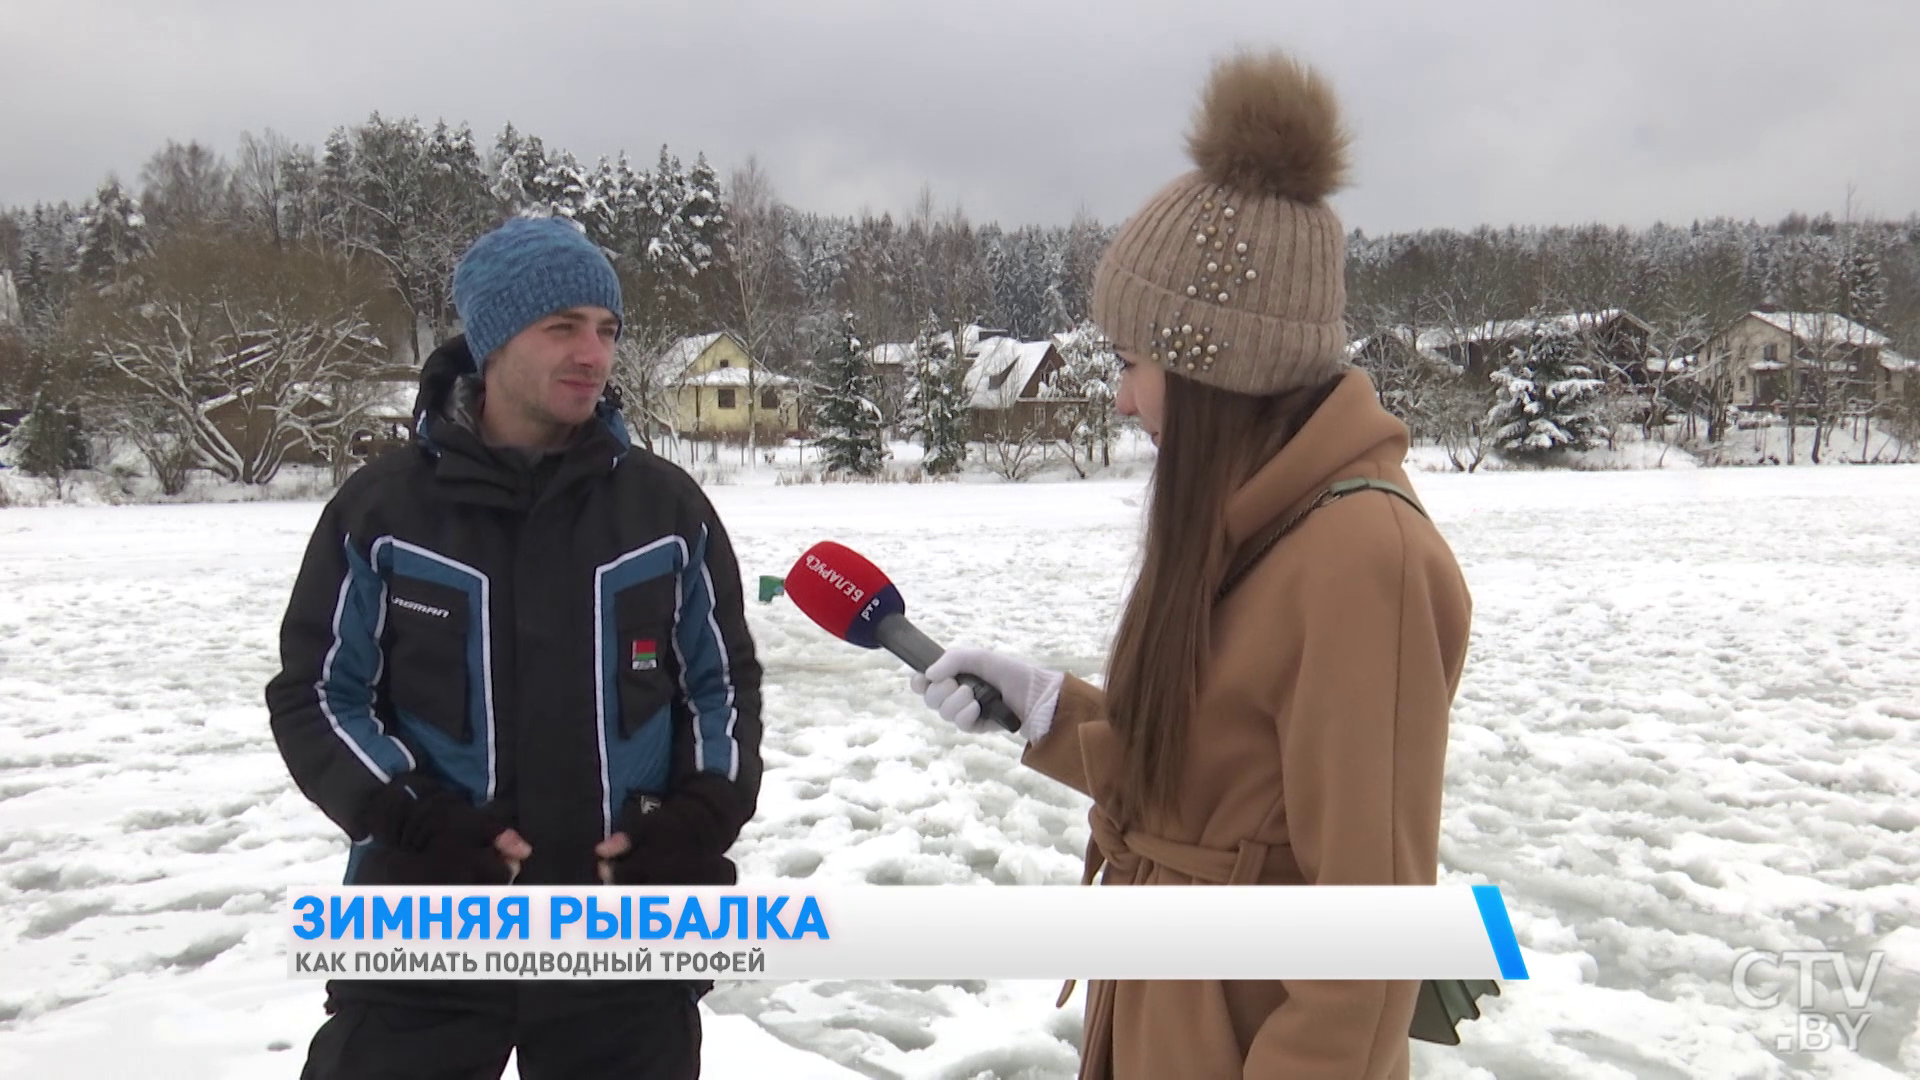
1464,112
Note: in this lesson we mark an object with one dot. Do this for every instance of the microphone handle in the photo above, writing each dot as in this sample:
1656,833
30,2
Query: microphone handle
904,640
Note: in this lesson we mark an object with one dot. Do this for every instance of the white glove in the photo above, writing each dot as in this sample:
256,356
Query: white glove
1031,692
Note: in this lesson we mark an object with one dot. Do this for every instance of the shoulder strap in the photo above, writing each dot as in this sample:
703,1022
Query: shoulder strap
1273,536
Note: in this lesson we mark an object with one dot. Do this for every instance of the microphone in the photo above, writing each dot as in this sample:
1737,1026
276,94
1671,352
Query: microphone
853,600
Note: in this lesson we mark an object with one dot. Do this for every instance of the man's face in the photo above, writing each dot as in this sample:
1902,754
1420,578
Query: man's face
548,378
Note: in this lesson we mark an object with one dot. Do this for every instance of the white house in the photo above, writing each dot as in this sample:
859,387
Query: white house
1753,359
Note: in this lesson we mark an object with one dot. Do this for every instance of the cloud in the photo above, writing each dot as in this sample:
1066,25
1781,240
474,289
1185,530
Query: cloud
1479,111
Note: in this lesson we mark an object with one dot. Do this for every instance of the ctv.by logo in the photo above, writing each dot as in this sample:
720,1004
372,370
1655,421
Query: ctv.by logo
1813,1030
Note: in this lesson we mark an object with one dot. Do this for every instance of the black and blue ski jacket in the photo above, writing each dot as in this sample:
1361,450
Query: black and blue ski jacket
549,638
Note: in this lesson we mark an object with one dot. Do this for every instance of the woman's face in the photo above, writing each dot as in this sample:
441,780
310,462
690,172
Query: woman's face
1143,393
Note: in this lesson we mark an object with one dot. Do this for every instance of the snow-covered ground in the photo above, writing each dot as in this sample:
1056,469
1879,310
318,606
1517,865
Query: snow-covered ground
125,479
1690,725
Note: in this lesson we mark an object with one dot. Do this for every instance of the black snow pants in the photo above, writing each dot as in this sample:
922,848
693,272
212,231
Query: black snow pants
638,1030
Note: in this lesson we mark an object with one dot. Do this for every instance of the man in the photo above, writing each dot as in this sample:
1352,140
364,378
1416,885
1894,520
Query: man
516,652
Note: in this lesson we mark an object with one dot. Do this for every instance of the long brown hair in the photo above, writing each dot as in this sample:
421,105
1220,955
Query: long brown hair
1211,442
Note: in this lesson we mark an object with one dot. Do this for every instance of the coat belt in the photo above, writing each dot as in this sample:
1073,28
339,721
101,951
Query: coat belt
1129,852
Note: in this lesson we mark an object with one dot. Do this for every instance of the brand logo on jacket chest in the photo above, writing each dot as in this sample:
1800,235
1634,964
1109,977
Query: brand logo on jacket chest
405,604
646,655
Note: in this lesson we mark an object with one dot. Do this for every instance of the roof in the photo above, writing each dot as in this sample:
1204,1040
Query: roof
1002,369
1428,344
1507,329
1659,366
387,396
395,397
1068,339
680,355
971,337
735,376
890,355
1822,328
1893,361
1433,342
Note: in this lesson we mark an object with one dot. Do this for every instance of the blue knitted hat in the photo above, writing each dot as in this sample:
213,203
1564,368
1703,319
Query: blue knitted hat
524,271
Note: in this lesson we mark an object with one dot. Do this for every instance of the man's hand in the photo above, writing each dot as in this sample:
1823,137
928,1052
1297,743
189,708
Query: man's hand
514,850
609,849
445,837
675,839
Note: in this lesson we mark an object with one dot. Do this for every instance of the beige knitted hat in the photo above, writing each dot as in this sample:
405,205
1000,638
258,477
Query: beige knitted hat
1234,275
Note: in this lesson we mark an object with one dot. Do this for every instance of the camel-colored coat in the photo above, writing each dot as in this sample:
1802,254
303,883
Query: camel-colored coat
1315,757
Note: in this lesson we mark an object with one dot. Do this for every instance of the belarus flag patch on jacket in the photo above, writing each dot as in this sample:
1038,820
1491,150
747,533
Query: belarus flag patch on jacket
646,656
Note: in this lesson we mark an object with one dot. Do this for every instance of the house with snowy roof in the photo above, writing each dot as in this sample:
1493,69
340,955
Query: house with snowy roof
1765,356
719,391
1614,340
1003,384
382,402
1003,380
890,361
891,366
388,421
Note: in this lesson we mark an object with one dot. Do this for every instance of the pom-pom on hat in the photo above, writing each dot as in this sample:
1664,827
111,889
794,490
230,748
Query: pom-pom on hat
1234,275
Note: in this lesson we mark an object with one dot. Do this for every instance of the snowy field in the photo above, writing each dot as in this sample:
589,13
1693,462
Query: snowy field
1690,726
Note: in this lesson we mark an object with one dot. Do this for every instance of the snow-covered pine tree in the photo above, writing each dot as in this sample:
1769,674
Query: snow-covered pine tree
951,418
1086,382
333,187
664,241
664,228
1025,269
1080,254
112,236
51,440
560,189
1863,285
613,201
850,422
49,252
912,421
9,298
1548,399
457,186
298,204
1863,298
704,215
505,181
522,179
935,410
456,207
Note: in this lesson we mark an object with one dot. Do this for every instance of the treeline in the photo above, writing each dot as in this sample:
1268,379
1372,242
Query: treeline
224,312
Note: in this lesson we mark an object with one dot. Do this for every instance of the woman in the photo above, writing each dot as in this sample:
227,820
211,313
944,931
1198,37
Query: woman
1275,707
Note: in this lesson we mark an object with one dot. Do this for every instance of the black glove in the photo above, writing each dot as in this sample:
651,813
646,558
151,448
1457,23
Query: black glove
436,836
679,839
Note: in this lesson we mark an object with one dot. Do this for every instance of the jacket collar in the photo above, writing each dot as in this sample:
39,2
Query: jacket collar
1349,435
446,415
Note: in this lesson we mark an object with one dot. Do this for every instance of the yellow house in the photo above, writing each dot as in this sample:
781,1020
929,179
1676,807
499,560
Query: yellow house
718,390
